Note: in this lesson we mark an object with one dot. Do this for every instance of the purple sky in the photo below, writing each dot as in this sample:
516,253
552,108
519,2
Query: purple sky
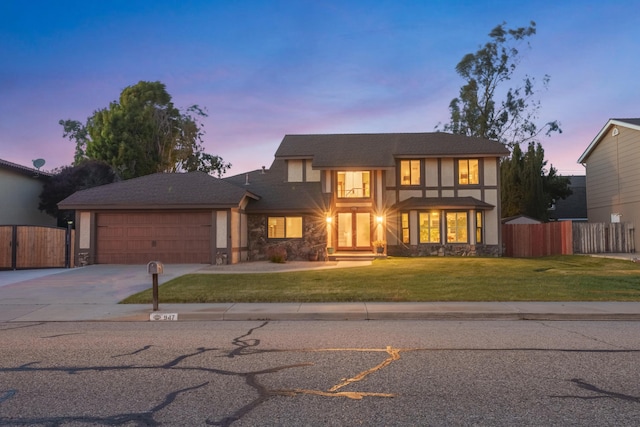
264,69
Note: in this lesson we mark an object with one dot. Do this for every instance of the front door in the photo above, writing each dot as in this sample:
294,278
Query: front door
354,231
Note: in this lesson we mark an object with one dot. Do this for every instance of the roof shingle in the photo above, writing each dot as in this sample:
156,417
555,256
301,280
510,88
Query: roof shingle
166,190
381,149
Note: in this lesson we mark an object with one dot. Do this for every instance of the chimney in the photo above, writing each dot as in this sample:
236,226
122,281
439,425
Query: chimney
263,171
246,180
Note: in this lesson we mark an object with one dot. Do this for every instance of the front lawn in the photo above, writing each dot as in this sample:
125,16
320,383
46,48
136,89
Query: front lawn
564,278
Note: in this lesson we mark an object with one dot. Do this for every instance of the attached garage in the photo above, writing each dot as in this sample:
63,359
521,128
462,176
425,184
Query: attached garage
140,237
174,218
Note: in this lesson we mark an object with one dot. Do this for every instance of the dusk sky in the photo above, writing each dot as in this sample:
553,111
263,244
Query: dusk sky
264,69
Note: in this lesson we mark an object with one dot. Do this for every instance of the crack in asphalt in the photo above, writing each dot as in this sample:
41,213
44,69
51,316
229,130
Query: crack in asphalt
139,418
580,334
62,335
146,347
245,346
4,326
601,393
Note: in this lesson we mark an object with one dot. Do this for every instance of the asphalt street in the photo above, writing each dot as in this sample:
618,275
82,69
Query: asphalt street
399,373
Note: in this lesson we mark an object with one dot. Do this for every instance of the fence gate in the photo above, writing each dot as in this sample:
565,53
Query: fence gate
28,246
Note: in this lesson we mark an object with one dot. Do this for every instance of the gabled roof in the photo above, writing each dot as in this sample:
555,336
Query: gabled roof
276,194
24,170
443,203
161,190
380,150
628,123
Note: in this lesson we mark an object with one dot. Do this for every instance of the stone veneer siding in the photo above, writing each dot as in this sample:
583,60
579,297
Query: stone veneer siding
314,240
424,250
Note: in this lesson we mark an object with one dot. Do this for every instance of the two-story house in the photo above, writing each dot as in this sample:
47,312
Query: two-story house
419,193
613,177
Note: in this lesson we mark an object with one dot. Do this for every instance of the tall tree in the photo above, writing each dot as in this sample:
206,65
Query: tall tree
144,133
485,108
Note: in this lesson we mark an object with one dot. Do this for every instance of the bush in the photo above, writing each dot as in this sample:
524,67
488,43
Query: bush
277,254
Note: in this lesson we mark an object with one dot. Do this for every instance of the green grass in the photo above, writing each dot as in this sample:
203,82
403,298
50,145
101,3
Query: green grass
566,278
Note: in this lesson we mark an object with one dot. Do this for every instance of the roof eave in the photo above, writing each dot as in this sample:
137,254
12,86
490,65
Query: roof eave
600,135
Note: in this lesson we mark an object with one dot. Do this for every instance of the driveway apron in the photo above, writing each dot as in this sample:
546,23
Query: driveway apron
93,284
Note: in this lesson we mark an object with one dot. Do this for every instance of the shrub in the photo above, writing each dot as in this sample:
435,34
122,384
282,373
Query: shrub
277,254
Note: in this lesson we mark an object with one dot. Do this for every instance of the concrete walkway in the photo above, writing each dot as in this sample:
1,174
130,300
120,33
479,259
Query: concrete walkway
92,293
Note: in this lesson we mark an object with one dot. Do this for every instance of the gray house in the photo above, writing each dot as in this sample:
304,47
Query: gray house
613,176
409,193
20,189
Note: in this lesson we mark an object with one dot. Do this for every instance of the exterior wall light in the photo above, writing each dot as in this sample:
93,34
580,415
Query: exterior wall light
329,219
379,219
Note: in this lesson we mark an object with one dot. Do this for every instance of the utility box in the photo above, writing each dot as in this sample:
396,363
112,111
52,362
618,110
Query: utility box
155,267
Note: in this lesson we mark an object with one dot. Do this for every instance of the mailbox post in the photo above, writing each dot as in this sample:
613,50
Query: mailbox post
154,268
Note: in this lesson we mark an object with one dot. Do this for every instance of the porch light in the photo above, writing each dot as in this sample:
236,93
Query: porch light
379,219
329,219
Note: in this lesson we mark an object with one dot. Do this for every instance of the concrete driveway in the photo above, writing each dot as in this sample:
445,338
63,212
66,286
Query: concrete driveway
93,284
83,293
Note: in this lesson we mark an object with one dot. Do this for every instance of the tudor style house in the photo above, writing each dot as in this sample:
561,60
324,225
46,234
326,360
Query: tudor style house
414,194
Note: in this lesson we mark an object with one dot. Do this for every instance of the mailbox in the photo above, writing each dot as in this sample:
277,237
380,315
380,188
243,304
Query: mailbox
155,267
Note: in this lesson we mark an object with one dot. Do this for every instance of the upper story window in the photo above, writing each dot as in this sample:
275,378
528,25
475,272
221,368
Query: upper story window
410,172
354,184
468,172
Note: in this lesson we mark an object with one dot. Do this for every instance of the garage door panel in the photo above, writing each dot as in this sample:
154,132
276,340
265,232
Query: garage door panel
137,238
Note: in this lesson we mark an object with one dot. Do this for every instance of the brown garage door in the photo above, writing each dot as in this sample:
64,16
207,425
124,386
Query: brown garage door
168,237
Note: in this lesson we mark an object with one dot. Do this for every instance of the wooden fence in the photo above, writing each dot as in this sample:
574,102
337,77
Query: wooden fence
594,238
27,246
536,240
565,238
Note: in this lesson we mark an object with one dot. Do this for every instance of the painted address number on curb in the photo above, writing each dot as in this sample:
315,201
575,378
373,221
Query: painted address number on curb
163,316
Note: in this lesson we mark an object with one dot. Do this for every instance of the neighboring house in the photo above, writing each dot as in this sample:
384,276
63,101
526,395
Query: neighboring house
613,175
520,219
419,193
574,207
20,189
